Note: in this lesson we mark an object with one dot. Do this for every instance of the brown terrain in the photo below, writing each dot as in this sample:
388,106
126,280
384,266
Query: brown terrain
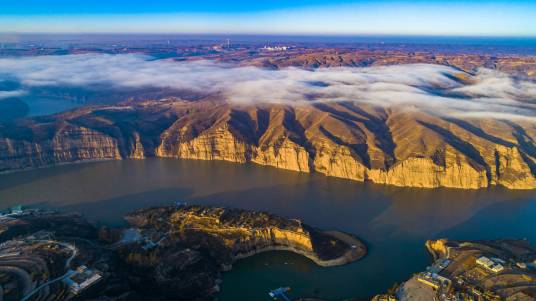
168,253
234,234
520,66
340,139
180,251
472,270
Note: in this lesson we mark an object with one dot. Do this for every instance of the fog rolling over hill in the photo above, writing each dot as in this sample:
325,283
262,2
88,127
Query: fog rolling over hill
305,150
417,125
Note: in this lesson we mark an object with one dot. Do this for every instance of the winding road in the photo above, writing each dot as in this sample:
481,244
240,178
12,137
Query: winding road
67,264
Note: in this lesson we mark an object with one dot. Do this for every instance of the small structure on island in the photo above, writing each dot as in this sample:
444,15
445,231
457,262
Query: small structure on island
279,293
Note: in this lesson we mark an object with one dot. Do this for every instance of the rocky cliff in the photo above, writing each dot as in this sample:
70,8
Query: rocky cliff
232,234
340,139
181,250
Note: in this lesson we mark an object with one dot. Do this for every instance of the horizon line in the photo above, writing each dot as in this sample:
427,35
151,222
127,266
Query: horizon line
297,34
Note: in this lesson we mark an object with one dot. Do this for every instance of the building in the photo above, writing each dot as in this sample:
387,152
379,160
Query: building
439,265
279,293
443,263
497,268
489,264
275,48
434,280
81,279
149,245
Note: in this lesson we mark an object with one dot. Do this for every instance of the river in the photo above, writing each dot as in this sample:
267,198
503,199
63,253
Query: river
394,222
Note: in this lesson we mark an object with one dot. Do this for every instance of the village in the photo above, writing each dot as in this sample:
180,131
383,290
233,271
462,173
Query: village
495,270
31,264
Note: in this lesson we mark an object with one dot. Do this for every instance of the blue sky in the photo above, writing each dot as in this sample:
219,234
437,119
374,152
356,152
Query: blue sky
489,18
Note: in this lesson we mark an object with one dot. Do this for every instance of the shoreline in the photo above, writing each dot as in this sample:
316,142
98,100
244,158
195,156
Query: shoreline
97,160
353,254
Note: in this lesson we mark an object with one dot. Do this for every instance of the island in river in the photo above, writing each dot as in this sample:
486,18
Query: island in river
168,253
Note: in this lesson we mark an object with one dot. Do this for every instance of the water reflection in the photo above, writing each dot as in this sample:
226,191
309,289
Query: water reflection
47,105
428,212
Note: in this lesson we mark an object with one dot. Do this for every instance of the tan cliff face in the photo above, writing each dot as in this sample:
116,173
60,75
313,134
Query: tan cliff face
67,144
437,248
343,139
232,234
242,234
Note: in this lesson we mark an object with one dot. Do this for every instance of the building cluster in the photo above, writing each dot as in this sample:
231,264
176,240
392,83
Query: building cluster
132,235
494,265
461,289
13,211
434,280
19,211
473,271
465,286
275,48
81,279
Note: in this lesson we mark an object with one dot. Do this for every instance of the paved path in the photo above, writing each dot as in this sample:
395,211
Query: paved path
29,295
67,265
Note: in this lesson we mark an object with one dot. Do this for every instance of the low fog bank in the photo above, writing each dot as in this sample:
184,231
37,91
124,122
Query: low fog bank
433,88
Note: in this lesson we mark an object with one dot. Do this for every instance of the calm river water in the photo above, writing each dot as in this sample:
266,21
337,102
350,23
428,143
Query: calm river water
394,222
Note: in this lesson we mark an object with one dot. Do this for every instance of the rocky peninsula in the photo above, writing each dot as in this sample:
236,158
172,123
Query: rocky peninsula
237,234
168,253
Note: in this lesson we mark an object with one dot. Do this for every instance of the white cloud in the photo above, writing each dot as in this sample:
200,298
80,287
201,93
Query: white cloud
431,88
15,93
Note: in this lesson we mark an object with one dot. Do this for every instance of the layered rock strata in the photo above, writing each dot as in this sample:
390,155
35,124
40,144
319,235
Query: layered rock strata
232,234
342,139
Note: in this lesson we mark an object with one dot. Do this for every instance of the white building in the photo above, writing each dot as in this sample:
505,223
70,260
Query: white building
490,264
276,48
81,279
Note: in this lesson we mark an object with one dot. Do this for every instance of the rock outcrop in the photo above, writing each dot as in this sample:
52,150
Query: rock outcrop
185,248
170,253
344,139
232,234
